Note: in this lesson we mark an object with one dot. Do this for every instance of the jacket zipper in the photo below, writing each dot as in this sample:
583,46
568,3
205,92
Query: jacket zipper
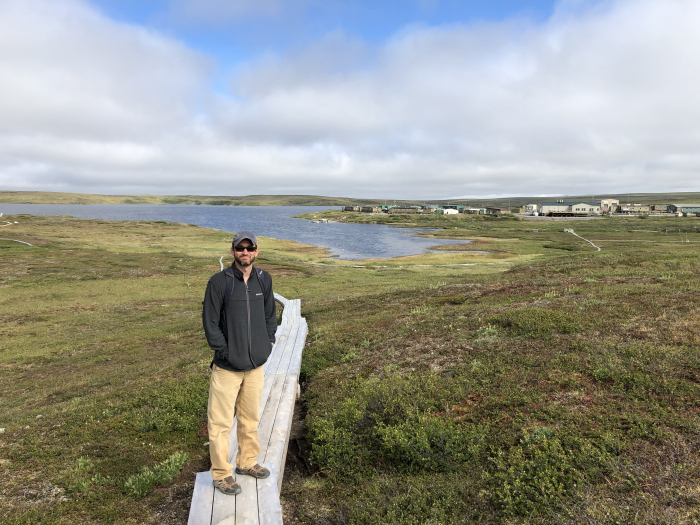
250,337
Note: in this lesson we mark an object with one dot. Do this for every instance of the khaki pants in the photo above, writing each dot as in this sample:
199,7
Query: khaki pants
232,393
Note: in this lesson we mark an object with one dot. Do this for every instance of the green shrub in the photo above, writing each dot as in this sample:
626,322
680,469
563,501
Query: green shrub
390,422
140,484
180,407
543,469
535,322
430,443
449,299
416,499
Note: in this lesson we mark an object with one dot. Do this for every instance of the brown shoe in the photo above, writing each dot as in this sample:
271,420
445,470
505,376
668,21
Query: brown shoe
228,485
256,471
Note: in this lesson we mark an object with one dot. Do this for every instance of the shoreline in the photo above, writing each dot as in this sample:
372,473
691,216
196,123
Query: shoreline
341,242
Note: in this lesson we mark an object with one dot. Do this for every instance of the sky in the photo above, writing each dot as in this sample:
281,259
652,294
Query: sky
413,99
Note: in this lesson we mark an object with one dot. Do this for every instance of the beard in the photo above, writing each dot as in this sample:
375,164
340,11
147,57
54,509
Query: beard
250,260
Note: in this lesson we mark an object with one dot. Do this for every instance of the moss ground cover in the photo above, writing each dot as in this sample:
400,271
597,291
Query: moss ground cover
532,384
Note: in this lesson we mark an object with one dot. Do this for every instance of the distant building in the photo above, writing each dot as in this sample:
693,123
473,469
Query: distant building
684,208
585,208
568,209
493,210
554,208
405,210
450,211
371,209
609,205
635,208
351,208
531,208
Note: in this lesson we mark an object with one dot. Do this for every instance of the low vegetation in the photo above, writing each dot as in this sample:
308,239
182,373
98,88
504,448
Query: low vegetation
542,382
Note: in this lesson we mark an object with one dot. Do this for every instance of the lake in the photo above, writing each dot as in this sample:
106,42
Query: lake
348,241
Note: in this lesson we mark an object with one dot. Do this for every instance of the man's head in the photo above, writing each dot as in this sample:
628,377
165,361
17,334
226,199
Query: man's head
244,248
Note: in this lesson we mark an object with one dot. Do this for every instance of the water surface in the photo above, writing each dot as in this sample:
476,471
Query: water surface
348,241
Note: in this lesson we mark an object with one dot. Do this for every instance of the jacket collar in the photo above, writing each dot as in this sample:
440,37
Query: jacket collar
238,273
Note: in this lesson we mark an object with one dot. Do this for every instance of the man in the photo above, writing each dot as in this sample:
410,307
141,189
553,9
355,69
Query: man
241,331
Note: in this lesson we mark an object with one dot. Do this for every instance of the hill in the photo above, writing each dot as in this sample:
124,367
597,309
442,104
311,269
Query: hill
46,197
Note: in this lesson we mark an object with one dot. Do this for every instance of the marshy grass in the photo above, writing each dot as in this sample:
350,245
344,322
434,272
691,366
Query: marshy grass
551,386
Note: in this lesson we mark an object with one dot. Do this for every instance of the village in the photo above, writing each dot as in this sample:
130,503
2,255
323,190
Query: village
558,208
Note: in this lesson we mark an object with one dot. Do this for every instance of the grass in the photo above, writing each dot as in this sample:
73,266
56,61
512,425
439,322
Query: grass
545,382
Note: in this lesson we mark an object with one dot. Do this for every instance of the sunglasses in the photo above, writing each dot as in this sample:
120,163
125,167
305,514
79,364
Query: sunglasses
240,248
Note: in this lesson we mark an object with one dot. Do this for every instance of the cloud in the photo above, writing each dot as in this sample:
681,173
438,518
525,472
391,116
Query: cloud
599,98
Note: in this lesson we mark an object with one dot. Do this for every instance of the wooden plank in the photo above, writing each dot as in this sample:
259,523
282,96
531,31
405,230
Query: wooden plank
272,363
281,299
290,401
202,500
286,357
247,501
277,448
267,420
290,336
224,508
294,365
286,339
269,506
289,357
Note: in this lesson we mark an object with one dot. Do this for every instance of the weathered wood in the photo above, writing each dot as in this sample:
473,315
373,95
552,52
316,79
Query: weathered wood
202,500
224,507
281,342
269,506
286,356
268,418
229,520
294,366
281,299
276,449
247,501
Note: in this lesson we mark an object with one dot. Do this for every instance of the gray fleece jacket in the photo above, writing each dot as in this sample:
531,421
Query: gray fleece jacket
243,333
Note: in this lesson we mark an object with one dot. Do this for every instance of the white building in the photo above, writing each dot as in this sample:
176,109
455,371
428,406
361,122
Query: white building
609,205
568,209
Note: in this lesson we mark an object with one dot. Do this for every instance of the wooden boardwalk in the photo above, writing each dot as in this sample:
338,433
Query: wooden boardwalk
259,501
